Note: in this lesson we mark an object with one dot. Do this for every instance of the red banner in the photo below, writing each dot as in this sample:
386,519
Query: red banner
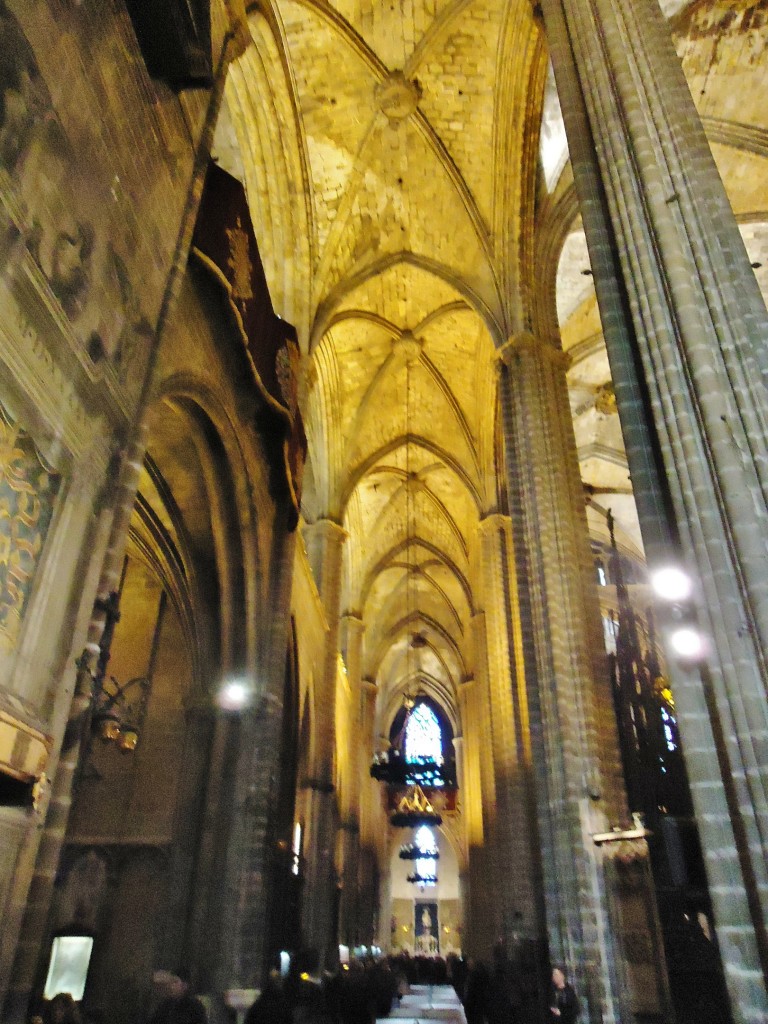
225,243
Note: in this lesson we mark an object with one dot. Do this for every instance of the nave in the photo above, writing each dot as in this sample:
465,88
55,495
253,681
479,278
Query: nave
383,446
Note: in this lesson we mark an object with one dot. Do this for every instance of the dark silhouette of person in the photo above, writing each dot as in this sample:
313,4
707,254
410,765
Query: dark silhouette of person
564,1005
504,995
179,1007
476,992
271,1007
306,994
62,1009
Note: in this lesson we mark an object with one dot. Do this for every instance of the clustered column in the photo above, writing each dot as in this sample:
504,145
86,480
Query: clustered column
512,831
350,812
700,327
477,802
370,807
240,954
579,786
325,541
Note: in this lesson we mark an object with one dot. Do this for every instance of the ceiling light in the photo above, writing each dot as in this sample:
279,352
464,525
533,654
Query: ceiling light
687,642
671,583
233,696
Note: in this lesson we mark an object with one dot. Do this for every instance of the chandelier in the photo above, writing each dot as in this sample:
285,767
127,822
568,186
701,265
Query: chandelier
418,879
412,851
415,809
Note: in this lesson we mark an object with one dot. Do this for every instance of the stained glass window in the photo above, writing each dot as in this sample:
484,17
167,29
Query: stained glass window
423,737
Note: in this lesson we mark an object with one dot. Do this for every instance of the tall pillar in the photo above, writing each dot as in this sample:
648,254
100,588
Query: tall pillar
324,540
471,795
239,950
370,809
486,867
350,812
513,833
610,941
477,802
701,333
369,790
368,911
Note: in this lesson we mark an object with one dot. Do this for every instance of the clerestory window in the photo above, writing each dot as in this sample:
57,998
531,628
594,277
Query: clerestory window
423,736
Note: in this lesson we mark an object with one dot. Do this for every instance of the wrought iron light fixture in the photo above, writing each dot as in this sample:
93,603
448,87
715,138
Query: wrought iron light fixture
116,710
414,809
412,851
418,879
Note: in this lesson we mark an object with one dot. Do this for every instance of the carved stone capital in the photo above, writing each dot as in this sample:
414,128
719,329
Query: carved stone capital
526,343
494,522
329,527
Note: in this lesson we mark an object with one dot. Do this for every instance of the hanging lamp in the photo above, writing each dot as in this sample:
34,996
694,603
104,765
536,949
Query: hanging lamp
418,879
415,809
412,851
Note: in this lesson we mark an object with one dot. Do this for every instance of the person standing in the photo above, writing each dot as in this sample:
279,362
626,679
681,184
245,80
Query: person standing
564,1005
179,1007
62,1009
476,992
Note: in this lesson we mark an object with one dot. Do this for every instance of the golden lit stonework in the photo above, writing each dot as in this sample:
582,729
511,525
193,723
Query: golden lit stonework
397,96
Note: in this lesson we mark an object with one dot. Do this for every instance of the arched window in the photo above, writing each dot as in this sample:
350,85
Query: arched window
423,736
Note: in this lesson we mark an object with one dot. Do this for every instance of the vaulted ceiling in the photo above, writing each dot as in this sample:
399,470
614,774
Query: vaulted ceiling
390,151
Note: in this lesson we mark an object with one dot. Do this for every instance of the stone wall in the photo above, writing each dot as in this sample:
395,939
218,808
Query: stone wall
99,175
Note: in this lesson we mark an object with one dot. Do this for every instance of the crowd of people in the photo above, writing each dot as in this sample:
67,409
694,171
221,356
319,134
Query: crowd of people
366,989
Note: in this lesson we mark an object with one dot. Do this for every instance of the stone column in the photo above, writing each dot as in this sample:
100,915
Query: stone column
324,540
701,332
486,869
471,801
239,950
579,784
369,894
350,813
370,809
471,797
369,789
513,833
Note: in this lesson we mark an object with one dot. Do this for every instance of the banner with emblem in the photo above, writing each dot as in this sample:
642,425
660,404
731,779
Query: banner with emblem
225,243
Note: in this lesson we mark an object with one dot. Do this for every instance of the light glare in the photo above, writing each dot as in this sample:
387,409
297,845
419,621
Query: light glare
233,696
671,583
687,642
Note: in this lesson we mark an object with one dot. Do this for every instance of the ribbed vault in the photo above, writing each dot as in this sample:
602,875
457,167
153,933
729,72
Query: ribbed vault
390,154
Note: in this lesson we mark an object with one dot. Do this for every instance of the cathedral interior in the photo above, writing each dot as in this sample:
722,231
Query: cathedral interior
383,495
